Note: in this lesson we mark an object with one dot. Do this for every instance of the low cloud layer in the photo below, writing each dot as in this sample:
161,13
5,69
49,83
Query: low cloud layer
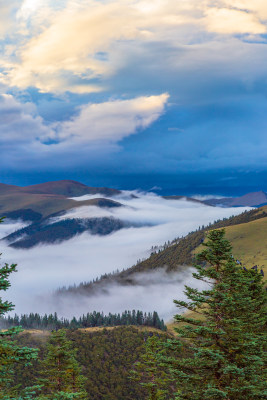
152,291
43,269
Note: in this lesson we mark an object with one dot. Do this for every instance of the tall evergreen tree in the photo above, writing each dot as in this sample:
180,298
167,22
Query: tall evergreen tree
151,373
61,374
10,353
222,349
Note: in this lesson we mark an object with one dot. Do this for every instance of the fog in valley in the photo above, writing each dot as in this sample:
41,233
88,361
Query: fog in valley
42,269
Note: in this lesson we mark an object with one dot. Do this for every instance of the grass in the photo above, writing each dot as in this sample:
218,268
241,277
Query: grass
44,334
42,203
249,242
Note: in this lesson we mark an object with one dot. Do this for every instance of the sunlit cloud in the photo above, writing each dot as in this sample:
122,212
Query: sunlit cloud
232,21
257,7
62,53
7,17
113,120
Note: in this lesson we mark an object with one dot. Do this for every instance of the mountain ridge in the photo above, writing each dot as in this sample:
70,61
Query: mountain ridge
252,199
179,255
49,198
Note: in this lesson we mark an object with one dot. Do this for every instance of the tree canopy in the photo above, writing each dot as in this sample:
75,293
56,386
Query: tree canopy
222,342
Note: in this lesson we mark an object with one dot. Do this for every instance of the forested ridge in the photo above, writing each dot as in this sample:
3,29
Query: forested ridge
106,357
182,252
218,351
220,355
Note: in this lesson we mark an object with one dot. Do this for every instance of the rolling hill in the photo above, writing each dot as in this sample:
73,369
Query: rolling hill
249,242
48,198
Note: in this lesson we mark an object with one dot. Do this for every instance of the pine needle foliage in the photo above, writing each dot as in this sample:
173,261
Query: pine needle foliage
151,372
10,353
221,350
60,372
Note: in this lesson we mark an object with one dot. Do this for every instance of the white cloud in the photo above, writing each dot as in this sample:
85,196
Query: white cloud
231,21
257,7
113,120
19,123
60,51
7,16
99,126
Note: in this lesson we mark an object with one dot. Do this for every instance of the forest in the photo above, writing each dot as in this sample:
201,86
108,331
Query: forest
217,350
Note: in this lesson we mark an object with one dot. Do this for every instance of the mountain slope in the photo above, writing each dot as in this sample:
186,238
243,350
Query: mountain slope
106,356
67,188
250,226
182,252
48,198
5,189
59,231
254,199
249,242
184,198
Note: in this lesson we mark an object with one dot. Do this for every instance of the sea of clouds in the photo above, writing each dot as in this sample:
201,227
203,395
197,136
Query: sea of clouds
42,269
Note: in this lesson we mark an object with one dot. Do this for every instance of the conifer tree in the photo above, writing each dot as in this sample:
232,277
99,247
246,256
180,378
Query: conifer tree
10,353
61,373
222,349
151,372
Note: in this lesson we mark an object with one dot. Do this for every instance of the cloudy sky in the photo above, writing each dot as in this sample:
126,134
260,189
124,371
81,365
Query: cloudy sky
135,93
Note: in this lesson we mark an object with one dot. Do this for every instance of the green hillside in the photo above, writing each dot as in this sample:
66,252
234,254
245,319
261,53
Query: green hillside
106,357
249,242
182,253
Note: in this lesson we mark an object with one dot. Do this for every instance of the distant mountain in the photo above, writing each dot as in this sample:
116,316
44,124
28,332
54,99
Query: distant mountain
6,189
48,198
68,188
254,199
184,198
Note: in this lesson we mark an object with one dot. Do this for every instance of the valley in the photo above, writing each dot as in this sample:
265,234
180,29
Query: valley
110,250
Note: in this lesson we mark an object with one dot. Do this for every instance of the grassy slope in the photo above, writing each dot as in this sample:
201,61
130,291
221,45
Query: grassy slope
249,241
44,204
46,333
50,197
182,254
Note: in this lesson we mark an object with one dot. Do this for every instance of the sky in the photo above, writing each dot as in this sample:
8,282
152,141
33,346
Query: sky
135,94
44,268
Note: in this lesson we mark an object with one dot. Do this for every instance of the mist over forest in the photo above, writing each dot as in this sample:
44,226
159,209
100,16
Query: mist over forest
44,268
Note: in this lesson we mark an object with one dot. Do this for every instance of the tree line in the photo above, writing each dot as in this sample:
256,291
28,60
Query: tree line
89,320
